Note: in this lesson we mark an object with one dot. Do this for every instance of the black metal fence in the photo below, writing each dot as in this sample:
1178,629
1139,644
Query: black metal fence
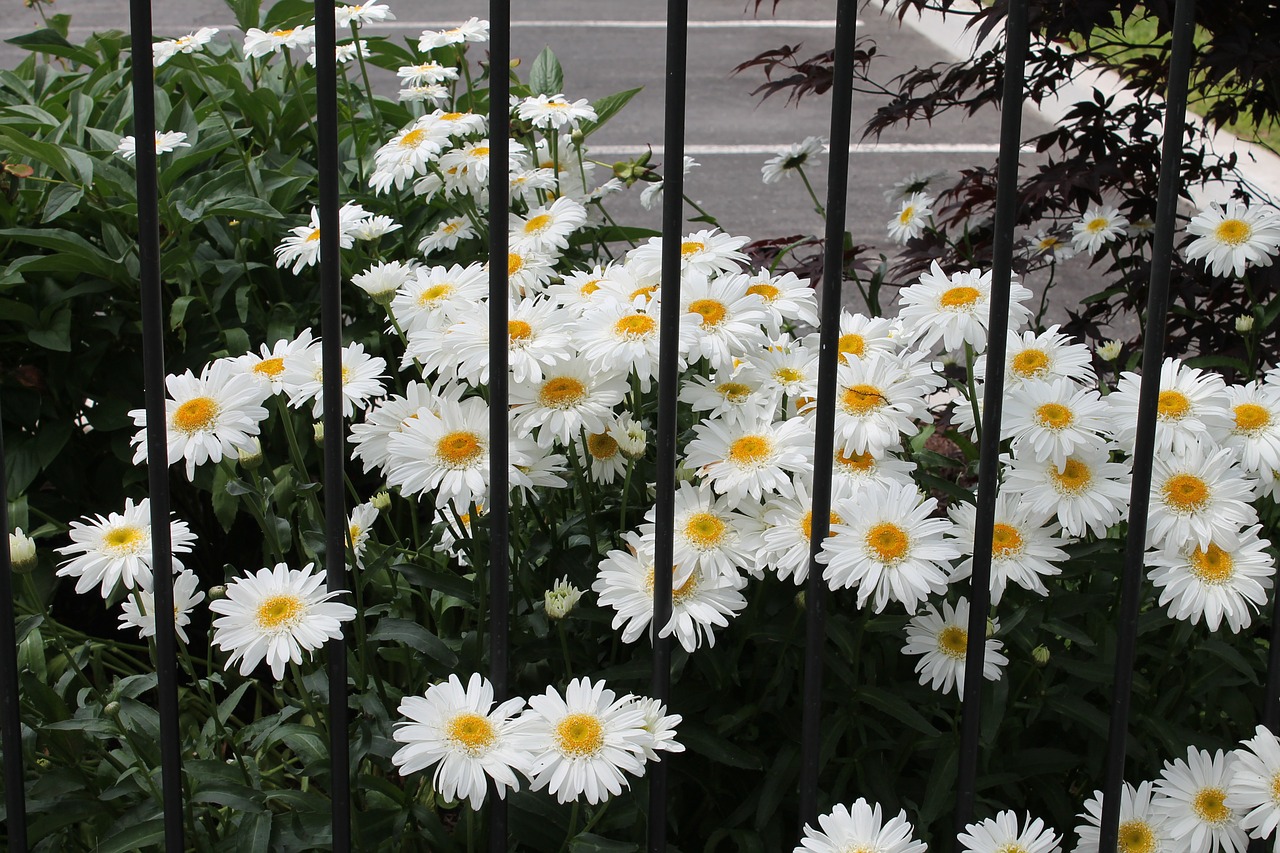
499,569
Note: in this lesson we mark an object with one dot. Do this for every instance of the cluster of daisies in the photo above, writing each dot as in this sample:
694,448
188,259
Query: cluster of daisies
1209,803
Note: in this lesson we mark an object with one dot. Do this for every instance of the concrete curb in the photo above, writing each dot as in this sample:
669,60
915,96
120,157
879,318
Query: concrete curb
1259,167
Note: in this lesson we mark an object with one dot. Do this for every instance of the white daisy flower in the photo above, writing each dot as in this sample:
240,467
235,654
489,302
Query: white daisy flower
860,827
434,299
618,337
709,533
426,73
342,53
888,546
1228,578
942,641
1023,546
1054,420
303,379
660,726
785,540
466,169
702,599
555,112
1193,407
1234,239
860,337
302,247
859,469
258,43
1044,357
1255,431
358,523
277,614
719,320
528,271
727,397
1051,245
584,742
447,453
1192,796
447,234
560,600
382,280
1099,225
914,182
461,733
362,13
567,400
163,51
534,467
1088,493
707,252
389,417
139,612
631,436
22,552
267,368
206,418
1198,497
913,217
601,457
955,310
536,342
787,299
750,460
1141,829
1001,835
436,93
1109,350
472,30
1255,781
793,158
878,400
166,141
373,227
408,154
790,372
547,228
107,551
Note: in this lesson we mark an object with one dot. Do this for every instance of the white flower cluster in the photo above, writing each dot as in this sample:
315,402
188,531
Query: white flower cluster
582,745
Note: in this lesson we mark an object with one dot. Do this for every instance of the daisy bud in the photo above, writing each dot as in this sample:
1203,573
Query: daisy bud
630,435
22,552
1244,324
217,592
317,430
251,458
800,601
1040,654
576,137
381,501
43,763
991,628
561,598
111,709
1109,350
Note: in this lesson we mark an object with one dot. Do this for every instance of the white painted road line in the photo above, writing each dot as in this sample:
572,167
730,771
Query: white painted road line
858,148
780,24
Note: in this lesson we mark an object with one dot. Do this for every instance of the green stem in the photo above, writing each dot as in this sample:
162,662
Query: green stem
817,205
584,490
293,81
973,390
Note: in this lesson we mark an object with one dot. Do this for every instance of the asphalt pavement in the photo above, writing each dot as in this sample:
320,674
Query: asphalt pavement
606,46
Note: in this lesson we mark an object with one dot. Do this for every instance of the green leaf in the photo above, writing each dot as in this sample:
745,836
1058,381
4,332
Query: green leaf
710,745
255,830
178,310
589,842
896,707
546,77
606,108
92,259
57,335
135,837
416,637
52,42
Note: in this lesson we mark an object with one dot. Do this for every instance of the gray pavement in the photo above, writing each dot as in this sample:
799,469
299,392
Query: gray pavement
606,46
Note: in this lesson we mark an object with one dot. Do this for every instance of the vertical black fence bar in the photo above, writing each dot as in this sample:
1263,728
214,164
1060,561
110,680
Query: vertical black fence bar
668,369
1016,41
1148,396
825,418
1271,702
15,794
335,527
144,131
499,396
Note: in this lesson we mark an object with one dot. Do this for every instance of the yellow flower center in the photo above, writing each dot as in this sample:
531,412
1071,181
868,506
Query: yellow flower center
1250,417
1135,836
354,532
908,213
750,450
1209,805
646,292
562,392
860,462
1006,541
678,593
126,539
280,611
1213,566
1233,232
590,287
953,641
479,152
451,227
537,223
1173,405
1275,789
806,524
734,392
1030,363
1048,244
195,415
519,330
271,367
1054,416
861,399
1073,479
711,311
689,248
281,34
459,449
451,116
602,446
1099,223
515,263
888,542
1011,847
705,530
767,292
413,138
472,733
787,375
435,293
1186,492
635,326
851,344
314,236
956,298
580,735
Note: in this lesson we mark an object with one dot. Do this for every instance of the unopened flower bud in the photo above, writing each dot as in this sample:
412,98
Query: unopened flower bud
1244,324
630,435
800,601
317,430
1109,350
577,136
22,552
217,592
561,598
251,457
1040,654
111,709
381,501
